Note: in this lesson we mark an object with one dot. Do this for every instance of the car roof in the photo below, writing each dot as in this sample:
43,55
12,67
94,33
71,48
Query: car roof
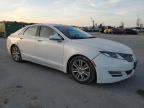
49,24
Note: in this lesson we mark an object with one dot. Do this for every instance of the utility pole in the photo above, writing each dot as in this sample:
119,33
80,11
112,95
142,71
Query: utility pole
138,22
93,23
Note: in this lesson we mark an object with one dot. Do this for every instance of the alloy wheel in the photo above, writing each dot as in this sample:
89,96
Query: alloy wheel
15,52
81,70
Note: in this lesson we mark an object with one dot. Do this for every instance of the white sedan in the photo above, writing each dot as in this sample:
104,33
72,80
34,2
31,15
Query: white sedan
73,51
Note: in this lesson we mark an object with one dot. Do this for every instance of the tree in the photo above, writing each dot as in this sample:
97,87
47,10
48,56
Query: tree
101,25
122,24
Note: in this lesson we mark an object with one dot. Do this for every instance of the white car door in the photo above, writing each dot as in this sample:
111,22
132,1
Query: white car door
51,47
28,42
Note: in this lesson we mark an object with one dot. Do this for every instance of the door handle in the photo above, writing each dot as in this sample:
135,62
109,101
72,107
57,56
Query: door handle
21,38
40,40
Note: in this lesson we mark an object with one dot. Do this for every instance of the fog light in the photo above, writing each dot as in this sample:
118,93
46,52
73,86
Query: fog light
115,73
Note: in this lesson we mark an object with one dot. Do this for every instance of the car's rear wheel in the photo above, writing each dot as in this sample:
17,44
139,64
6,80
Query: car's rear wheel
82,70
16,54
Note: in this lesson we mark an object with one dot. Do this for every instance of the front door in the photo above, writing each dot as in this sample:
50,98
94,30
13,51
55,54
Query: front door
50,50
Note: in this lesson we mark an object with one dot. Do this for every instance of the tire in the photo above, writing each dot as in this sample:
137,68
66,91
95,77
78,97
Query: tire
82,70
16,54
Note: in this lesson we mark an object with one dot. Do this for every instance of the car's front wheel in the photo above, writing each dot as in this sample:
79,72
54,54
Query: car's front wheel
82,70
16,54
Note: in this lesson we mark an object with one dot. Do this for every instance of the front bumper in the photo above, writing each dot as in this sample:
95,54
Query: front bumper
110,70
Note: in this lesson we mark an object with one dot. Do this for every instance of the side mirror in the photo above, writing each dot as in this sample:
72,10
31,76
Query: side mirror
56,38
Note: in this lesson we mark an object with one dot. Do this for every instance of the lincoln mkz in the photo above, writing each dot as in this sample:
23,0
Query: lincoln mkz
73,51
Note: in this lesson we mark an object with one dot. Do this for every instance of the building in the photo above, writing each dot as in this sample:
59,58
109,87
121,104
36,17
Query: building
8,27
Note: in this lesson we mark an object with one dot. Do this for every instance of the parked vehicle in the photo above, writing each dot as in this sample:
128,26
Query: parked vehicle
131,31
90,29
102,29
118,31
142,30
108,31
71,50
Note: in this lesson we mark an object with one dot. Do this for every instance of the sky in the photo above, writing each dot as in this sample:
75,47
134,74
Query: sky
73,12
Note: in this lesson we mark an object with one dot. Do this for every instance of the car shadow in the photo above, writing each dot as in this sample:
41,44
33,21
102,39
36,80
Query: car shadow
122,84
43,68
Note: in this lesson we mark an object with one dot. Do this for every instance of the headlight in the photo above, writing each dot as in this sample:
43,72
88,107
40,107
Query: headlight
112,54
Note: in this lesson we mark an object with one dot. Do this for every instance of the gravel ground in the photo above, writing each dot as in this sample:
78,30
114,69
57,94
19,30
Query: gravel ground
29,85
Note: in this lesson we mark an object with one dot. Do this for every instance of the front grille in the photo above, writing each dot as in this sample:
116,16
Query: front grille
129,72
127,57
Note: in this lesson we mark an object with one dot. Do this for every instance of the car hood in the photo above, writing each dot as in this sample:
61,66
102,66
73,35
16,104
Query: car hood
104,45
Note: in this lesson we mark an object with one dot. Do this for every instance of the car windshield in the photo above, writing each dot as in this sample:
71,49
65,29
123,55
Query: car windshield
73,32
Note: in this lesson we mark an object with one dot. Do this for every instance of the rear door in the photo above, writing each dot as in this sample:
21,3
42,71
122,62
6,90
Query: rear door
28,42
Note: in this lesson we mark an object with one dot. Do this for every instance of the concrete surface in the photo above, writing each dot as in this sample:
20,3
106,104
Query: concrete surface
29,85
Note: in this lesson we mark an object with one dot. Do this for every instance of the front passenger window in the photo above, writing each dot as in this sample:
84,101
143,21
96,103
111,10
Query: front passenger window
46,32
55,36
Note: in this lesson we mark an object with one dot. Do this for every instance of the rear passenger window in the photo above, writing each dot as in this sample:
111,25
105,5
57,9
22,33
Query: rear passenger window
31,31
46,32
